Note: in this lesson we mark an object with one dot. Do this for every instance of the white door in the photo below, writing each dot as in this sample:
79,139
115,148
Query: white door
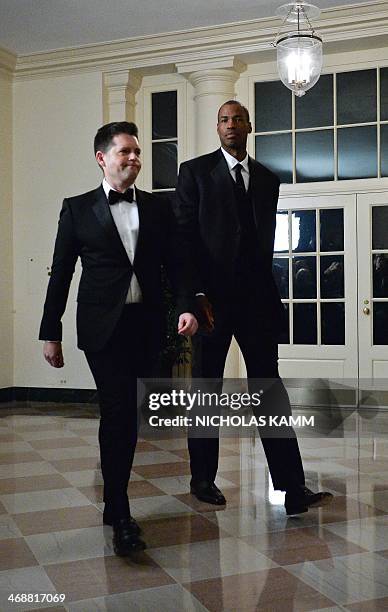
315,266
373,289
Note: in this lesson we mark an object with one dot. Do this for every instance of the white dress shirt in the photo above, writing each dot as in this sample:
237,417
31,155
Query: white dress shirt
232,163
126,218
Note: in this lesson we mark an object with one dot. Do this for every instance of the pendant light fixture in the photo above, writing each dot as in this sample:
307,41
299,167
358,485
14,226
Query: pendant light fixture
299,52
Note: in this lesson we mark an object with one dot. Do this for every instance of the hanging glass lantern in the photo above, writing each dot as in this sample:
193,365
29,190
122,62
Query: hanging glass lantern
299,53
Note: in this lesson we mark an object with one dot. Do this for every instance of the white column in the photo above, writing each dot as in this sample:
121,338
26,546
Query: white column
120,88
214,83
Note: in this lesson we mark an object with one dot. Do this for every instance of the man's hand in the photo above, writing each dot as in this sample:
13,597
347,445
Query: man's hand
52,352
187,324
205,314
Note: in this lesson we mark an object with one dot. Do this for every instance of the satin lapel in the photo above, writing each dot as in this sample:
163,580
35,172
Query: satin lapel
224,188
144,221
100,208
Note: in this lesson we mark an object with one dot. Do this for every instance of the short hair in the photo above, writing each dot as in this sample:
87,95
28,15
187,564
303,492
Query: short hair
106,133
243,108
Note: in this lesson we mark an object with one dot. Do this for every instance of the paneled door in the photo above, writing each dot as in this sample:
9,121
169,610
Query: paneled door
315,267
372,306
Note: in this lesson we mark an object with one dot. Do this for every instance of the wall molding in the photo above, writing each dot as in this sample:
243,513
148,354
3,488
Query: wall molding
7,61
247,38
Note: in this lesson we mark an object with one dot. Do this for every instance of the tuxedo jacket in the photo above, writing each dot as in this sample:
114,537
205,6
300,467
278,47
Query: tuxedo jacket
206,209
87,230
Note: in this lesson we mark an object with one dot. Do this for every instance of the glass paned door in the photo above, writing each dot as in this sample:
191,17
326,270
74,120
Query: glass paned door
372,212
315,270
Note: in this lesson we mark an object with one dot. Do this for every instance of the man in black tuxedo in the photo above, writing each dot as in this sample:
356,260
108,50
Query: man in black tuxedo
123,236
226,206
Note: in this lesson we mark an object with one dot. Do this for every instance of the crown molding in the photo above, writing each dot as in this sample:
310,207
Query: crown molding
7,61
363,20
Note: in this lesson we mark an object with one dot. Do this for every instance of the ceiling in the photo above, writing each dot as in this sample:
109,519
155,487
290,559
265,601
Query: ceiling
30,26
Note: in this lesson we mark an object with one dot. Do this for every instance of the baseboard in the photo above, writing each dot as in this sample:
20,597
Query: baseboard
40,394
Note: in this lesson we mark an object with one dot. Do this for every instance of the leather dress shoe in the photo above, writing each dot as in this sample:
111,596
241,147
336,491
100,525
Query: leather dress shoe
107,519
125,542
209,493
300,500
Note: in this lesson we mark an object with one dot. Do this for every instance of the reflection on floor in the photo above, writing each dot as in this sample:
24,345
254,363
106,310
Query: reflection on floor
246,557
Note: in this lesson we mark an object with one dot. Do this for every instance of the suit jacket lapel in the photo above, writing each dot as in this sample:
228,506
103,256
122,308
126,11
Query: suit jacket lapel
101,209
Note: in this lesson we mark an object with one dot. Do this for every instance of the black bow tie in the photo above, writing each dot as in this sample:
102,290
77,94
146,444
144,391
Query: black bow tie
116,196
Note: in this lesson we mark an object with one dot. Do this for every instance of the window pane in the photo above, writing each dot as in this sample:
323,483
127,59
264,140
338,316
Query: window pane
282,238
357,152
304,277
280,274
380,227
275,152
380,323
305,323
332,229
333,323
332,276
303,231
380,275
316,109
384,149
315,156
164,115
356,97
272,107
383,94
164,165
284,336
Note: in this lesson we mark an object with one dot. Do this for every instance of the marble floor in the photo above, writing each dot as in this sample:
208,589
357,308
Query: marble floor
246,557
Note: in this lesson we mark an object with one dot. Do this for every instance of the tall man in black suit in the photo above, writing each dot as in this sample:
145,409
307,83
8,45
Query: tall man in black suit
123,236
226,206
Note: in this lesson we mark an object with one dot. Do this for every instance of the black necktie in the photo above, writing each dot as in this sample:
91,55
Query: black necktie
239,180
116,196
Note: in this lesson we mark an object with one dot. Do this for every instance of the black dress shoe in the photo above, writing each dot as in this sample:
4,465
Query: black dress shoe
300,500
125,542
209,493
107,519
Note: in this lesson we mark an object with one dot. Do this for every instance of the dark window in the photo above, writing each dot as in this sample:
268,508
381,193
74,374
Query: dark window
384,94
272,107
332,229
305,323
333,323
275,152
304,277
315,156
356,97
380,323
357,152
384,149
280,274
332,276
380,227
164,165
164,115
303,231
380,275
315,109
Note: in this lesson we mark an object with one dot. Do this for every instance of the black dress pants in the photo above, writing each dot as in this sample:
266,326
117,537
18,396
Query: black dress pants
115,369
260,352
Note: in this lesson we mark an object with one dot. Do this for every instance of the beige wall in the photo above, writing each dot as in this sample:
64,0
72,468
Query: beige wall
6,274
55,120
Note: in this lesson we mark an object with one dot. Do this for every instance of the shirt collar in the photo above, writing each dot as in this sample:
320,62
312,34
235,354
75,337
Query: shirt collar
107,187
232,161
